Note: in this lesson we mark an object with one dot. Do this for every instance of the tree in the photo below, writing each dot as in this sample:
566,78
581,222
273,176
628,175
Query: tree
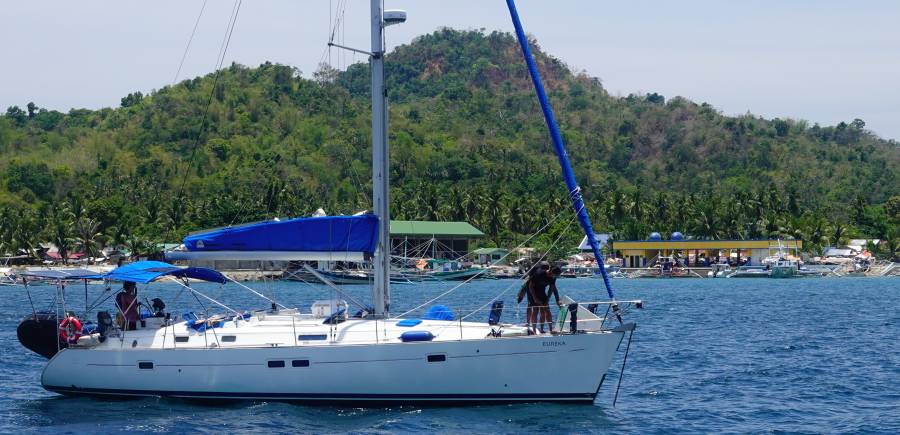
35,177
88,237
32,109
17,115
61,236
132,99
892,208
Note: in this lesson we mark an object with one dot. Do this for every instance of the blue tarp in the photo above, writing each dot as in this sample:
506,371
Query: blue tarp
439,312
147,271
318,234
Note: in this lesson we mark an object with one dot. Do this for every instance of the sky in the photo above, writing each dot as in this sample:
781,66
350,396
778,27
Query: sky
823,61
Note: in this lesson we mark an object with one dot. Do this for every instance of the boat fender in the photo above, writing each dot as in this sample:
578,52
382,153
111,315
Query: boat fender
411,336
496,312
70,329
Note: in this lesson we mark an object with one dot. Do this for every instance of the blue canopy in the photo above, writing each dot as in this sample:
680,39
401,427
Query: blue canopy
317,234
147,271
61,274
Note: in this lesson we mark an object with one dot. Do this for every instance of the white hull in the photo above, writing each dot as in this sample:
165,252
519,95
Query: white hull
528,368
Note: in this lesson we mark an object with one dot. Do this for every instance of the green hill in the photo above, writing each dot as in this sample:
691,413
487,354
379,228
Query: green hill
468,143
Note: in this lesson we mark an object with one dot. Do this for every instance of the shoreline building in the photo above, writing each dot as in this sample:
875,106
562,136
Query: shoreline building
430,239
701,253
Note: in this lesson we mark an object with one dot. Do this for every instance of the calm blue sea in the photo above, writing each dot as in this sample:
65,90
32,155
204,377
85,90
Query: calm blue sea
804,355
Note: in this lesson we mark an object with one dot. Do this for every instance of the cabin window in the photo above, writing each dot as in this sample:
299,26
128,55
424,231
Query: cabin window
145,365
276,364
309,337
300,363
183,339
229,338
437,358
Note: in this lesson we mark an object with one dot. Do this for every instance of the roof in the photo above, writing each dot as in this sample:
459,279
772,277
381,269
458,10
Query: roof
428,228
838,252
489,251
71,256
706,244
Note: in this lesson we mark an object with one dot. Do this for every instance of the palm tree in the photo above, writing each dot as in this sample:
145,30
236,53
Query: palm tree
139,246
24,235
706,223
61,236
117,235
838,234
88,236
495,215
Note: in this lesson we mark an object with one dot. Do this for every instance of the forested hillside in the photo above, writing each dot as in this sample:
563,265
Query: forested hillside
468,143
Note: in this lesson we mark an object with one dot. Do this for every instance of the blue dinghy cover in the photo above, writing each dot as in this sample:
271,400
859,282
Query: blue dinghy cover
147,271
316,234
416,336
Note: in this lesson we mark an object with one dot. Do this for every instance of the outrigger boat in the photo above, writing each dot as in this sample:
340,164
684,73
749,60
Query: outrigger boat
328,355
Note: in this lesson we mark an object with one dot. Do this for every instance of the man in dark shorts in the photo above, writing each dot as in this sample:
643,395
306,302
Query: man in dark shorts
531,312
543,278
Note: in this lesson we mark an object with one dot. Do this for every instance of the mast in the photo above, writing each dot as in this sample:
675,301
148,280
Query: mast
568,175
380,168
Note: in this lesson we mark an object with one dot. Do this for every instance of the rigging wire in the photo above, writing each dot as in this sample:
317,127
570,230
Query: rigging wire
514,283
190,40
540,230
547,252
223,49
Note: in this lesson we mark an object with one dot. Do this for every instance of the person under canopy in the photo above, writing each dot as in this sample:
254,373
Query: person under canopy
128,306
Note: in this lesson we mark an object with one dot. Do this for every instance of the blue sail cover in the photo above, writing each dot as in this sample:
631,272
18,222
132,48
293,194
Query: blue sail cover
316,234
147,271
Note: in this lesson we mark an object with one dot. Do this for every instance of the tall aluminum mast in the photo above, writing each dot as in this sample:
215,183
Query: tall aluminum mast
380,167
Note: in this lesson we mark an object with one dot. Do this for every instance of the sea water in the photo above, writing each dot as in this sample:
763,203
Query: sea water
709,355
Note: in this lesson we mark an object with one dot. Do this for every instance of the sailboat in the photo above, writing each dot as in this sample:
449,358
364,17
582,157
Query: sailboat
328,355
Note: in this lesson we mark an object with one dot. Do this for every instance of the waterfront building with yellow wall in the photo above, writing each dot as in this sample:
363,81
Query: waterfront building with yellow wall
701,253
